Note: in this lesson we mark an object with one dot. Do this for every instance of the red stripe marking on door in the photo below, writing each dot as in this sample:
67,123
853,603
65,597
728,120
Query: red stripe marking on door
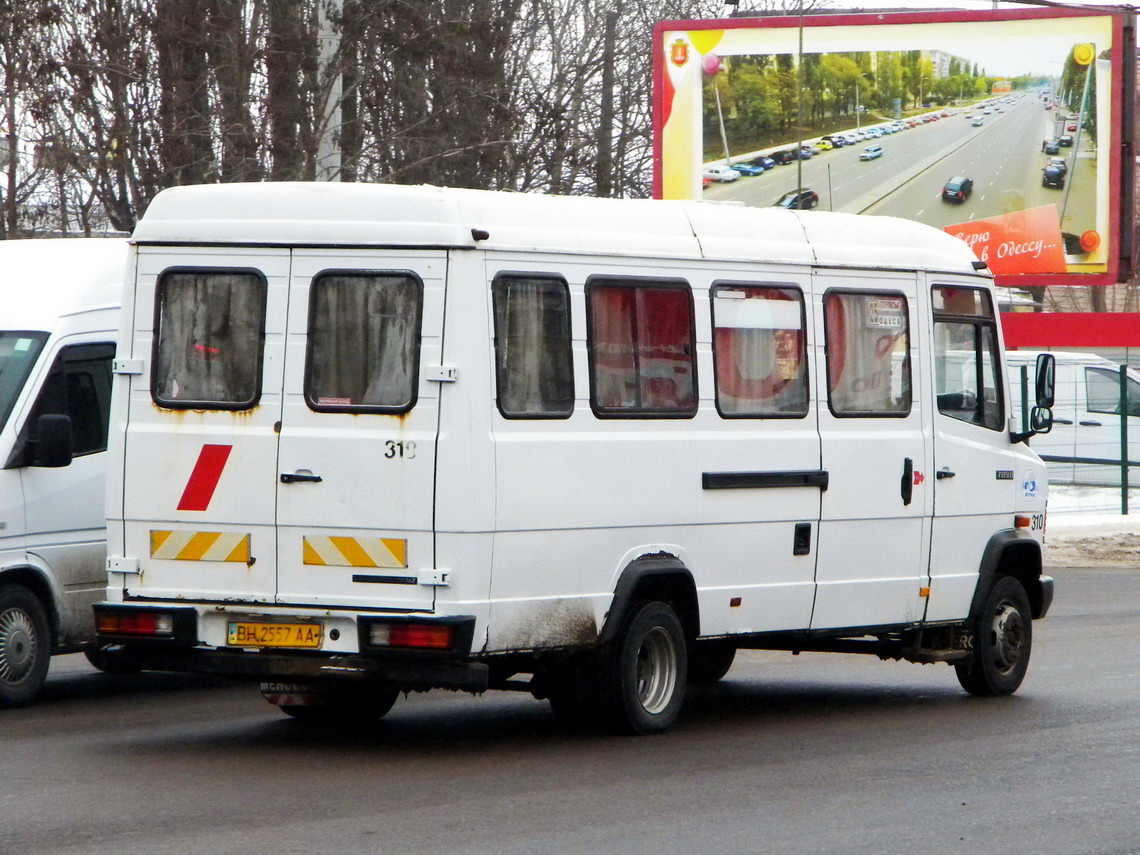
204,479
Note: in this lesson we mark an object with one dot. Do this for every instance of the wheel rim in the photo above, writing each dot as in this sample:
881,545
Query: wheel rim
17,645
656,671
1007,636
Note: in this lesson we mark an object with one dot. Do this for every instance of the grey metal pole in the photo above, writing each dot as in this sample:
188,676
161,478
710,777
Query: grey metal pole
800,111
329,15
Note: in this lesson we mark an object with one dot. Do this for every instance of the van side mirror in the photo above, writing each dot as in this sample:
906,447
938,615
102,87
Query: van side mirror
53,444
1046,379
1041,420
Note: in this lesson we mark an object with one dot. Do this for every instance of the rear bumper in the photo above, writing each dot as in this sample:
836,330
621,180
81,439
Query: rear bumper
411,670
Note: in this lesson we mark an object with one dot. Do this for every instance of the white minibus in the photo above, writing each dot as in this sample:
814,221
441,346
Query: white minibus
373,439
58,322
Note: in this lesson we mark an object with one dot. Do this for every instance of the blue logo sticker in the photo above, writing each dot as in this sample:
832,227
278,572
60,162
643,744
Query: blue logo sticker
1029,485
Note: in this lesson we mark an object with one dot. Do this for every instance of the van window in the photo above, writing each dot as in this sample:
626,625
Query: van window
534,373
364,342
967,376
1104,392
759,351
207,354
867,339
18,353
642,359
78,386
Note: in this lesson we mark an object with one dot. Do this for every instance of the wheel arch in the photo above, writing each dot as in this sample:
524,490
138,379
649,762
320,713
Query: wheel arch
660,576
1015,553
39,584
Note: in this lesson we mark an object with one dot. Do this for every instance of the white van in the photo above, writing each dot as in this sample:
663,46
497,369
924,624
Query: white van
1087,416
58,324
871,152
371,439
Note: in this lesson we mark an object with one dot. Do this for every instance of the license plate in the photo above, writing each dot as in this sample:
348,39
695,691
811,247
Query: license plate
251,634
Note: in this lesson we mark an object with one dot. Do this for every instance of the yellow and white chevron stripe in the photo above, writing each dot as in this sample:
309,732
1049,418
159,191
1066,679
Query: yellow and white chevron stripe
199,546
356,551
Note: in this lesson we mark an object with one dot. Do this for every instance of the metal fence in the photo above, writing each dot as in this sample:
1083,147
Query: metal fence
1092,443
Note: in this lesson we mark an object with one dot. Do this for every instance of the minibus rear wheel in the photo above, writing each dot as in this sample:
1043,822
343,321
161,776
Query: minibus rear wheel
643,678
710,660
1003,640
24,646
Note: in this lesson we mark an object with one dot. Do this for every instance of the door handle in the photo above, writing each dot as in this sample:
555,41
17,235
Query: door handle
300,475
1090,424
944,473
907,483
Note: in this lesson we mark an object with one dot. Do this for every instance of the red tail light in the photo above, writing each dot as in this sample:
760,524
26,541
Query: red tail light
136,623
416,635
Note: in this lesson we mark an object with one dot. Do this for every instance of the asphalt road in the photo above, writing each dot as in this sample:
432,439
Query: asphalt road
1003,156
809,754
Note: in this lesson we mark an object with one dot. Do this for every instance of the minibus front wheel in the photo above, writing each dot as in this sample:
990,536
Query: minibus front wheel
1003,640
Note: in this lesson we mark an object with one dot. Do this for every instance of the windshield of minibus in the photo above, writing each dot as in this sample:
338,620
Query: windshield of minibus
18,352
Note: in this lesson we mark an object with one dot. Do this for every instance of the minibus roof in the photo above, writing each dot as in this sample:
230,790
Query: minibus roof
44,280
351,215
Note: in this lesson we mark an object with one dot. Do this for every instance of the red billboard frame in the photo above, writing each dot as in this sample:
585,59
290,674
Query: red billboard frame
1120,174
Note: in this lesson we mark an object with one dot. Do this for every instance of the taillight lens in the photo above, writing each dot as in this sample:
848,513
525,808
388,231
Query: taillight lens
424,636
140,623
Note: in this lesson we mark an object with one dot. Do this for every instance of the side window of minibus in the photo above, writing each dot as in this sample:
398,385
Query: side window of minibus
1103,392
967,379
867,339
534,373
642,359
759,351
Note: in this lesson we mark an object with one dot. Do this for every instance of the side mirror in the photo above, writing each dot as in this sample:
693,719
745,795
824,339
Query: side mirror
1041,420
53,444
1046,379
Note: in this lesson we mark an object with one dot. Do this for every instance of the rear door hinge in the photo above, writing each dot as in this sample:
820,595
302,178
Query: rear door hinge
438,578
119,564
128,366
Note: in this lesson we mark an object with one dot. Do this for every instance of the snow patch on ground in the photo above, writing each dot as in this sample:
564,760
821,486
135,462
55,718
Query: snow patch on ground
1085,526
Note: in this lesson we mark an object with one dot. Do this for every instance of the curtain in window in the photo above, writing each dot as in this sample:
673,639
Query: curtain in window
868,363
532,347
363,341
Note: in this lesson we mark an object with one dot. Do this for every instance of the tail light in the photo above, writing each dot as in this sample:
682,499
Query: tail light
136,622
423,636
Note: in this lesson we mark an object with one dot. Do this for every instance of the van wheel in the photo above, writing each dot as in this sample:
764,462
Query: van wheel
350,709
643,678
1003,640
710,660
24,646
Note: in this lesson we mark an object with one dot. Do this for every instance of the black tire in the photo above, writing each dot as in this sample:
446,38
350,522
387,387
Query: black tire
643,677
346,708
1003,641
710,660
25,646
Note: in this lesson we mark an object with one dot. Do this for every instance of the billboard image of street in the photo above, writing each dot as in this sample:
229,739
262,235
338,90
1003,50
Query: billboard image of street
1002,131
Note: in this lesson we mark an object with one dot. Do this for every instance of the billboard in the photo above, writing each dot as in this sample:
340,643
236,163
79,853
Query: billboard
1004,128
